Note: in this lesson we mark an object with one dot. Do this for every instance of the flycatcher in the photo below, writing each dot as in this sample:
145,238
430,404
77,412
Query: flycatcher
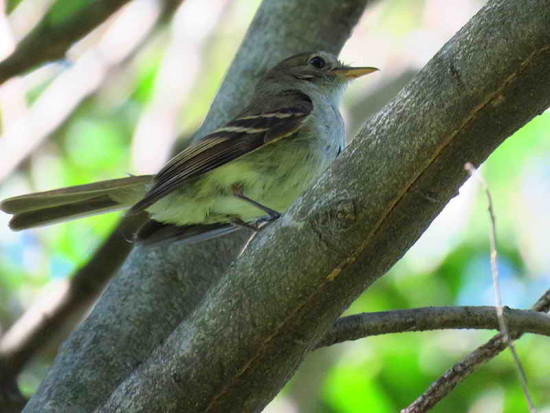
244,173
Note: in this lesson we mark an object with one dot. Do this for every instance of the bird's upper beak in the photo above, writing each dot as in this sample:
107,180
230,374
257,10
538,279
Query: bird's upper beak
353,72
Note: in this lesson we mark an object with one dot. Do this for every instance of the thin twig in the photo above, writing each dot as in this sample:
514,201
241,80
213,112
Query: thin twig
359,326
496,284
439,389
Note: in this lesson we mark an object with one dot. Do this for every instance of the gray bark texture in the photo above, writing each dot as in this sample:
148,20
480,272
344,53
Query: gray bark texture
158,287
250,333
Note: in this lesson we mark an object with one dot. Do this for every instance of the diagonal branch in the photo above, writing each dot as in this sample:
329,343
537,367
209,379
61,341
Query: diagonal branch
460,371
359,326
251,331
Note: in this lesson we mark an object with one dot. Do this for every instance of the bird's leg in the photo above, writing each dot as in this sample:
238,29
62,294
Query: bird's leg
238,193
259,224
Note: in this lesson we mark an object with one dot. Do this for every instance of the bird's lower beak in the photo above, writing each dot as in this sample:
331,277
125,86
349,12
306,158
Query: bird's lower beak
353,72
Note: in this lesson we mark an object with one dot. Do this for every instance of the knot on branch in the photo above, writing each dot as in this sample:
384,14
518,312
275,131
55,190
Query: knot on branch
333,218
338,216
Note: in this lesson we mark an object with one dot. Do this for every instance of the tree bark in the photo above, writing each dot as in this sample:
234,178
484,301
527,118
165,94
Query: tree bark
250,333
158,287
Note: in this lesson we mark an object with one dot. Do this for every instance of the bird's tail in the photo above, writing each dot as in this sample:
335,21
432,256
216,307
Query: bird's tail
43,208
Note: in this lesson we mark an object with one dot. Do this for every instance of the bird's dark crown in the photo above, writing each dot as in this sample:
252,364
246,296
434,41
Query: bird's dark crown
307,66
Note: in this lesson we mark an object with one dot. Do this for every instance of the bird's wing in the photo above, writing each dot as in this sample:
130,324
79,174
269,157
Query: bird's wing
250,131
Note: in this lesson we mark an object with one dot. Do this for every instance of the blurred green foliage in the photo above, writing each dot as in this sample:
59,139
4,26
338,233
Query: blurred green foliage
449,265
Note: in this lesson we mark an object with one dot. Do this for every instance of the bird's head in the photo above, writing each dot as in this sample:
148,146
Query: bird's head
321,69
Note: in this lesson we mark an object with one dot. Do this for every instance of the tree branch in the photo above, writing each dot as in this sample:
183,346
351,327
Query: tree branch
159,287
49,41
251,331
460,371
359,326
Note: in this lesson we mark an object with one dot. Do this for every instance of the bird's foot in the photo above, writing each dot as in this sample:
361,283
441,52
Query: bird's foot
256,227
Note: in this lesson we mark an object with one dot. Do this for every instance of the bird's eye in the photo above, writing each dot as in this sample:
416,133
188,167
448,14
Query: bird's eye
317,61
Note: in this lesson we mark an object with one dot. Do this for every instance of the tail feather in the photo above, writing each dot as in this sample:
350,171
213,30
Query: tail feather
62,196
43,208
46,216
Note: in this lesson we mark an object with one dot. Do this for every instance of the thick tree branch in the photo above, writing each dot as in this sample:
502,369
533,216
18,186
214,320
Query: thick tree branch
359,326
460,371
49,41
158,287
251,331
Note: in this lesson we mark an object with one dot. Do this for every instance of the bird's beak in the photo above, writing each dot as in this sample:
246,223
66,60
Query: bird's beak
353,72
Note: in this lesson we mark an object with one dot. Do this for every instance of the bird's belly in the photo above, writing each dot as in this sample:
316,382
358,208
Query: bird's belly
274,178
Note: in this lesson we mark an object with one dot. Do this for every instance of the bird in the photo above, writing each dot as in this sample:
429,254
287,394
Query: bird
244,174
